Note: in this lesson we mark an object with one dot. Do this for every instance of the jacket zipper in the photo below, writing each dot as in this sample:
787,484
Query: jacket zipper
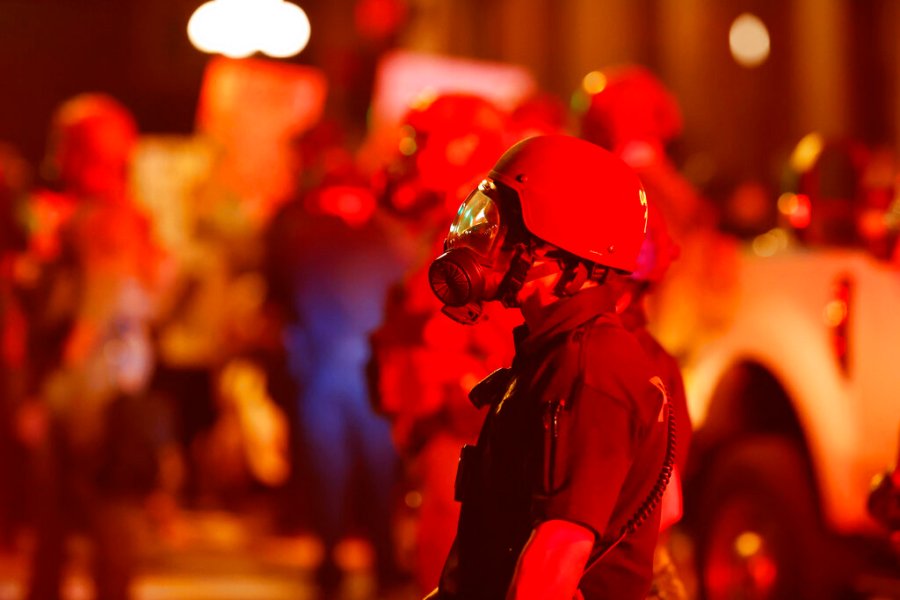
553,425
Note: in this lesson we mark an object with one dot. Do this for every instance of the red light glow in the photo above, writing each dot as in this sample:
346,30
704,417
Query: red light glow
836,315
797,208
351,203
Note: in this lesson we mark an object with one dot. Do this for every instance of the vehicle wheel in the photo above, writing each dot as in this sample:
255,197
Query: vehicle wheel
757,526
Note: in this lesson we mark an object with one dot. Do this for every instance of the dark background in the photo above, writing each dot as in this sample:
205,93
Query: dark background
833,66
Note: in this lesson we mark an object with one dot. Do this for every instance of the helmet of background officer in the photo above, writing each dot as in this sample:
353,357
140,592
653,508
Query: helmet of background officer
445,143
656,255
539,114
321,155
92,138
627,105
329,179
556,195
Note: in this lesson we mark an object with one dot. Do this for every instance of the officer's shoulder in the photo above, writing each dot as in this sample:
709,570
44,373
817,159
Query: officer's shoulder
609,347
606,333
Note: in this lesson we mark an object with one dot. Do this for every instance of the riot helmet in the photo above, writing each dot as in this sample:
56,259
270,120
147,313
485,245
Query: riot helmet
92,139
553,191
625,104
444,143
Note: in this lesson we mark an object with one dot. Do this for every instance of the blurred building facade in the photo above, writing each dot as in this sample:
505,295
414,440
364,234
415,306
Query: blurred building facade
834,64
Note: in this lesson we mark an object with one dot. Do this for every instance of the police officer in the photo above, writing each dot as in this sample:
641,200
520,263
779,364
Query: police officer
560,496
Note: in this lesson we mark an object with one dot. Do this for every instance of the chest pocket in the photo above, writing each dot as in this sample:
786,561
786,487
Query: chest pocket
555,412
558,384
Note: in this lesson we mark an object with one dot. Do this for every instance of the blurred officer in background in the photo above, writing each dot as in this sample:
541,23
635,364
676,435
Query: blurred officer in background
424,364
632,114
339,267
95,459
656,255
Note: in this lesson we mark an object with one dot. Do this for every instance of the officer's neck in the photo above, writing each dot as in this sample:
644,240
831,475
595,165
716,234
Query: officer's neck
537,294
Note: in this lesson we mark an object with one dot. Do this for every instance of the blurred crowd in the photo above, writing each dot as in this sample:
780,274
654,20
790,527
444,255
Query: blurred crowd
297,353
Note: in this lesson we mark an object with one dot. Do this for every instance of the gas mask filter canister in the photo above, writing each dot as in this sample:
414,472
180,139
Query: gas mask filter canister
458,276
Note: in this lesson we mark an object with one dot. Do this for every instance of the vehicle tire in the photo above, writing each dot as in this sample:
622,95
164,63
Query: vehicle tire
758,534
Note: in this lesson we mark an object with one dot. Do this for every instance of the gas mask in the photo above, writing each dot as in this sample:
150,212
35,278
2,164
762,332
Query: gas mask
487,254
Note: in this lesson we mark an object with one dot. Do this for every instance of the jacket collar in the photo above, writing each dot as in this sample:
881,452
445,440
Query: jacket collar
564,315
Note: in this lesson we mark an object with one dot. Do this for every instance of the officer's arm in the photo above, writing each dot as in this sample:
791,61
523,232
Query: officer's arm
552,562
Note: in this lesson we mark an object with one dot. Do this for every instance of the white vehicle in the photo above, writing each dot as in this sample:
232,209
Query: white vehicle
795,398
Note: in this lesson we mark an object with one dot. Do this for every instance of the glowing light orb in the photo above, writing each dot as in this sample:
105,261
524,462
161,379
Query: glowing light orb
807,152
770,243
835,313
239,28
594,82
748,544
749,40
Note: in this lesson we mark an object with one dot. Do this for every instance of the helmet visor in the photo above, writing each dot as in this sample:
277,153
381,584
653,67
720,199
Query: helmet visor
477,222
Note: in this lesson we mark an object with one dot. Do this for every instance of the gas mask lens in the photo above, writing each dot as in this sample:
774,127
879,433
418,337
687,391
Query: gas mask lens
477,222
457,276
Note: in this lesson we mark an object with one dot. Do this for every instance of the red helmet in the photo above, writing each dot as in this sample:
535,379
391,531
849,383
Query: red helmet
629,103
578,197
92,138
553,189
447,143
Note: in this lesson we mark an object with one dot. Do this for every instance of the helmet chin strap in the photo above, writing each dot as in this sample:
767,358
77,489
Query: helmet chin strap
572,278
573,274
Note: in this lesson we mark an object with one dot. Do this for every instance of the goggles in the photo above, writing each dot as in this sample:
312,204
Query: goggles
485,239
477,223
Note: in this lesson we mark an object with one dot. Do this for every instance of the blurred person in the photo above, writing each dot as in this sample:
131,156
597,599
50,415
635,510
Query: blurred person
339,266
445,143
656,255
560,495
443,140
423,368
319,157
635,116
423,364
95,457
632,114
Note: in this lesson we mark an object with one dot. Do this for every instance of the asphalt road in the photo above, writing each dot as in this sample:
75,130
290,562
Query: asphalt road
215,555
